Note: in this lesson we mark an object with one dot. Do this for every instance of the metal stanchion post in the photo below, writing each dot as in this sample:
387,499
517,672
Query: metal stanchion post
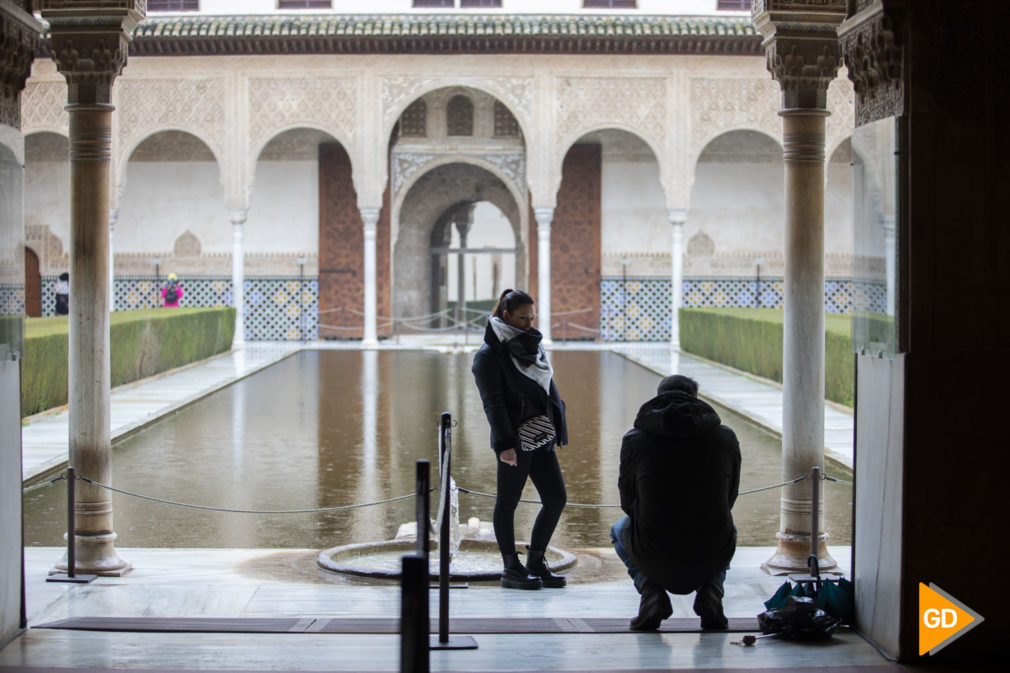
422,506
414,635
71,574
444,641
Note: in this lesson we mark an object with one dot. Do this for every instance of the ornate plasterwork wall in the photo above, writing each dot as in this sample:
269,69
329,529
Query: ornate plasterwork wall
675,103
283,102
195,105
723,104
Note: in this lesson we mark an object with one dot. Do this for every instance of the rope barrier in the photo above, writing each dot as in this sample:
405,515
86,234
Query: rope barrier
63,476
601,506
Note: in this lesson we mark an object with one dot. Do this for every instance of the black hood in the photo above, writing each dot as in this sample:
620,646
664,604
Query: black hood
676,414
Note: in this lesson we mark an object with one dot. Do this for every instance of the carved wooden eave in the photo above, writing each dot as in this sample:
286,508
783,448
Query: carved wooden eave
19,41
801,47
326,33
873,58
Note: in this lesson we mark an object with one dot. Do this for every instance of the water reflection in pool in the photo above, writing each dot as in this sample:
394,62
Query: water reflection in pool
328,428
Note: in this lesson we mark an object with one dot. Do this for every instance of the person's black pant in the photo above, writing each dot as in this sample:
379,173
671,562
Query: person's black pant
542,467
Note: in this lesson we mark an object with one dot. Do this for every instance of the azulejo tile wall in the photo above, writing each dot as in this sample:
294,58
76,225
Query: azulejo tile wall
638,309
277,308
12,298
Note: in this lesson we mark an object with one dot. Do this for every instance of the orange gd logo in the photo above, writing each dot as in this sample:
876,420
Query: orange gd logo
942,619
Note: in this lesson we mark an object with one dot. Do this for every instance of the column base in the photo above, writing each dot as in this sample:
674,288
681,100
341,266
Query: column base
95,555
792,553
370,344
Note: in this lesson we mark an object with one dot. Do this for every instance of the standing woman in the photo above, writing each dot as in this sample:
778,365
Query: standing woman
527,419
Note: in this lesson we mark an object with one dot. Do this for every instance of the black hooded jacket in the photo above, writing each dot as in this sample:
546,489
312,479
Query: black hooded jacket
679,478
509,397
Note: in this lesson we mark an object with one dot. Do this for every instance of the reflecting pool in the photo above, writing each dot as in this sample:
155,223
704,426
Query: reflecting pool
338,427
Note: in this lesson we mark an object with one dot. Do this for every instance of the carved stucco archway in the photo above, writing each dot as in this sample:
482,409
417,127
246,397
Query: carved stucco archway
443,185
398,93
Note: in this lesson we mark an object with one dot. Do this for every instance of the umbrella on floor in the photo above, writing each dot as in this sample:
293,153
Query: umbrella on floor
834,595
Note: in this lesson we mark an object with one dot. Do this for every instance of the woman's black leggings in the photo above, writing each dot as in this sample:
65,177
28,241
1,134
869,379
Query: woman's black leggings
542,467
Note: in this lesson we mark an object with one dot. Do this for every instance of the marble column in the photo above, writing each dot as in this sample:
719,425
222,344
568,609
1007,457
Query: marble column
237,217
463,219
803,56
91,53
677,218
544,216
370,218
113,216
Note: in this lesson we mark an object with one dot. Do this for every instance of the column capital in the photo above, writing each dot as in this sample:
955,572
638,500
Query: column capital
238,216
544,216
874,62
370,218
90,41
19,41
801,47
678,216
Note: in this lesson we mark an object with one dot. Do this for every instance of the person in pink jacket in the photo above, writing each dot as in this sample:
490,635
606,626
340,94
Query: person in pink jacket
171,292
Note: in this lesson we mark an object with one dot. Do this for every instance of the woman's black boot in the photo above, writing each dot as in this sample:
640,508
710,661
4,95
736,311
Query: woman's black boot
516,576
537,565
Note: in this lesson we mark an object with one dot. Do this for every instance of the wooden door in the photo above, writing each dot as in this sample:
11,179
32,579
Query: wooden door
33,285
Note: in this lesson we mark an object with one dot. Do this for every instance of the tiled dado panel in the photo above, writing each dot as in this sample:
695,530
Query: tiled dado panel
575,245
277,308
341,247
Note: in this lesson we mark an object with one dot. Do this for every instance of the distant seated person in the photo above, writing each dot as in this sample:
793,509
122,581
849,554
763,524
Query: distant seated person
63,294
679,478
171,292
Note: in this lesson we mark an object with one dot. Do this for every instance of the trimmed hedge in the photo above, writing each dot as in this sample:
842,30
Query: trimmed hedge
750,339
143,343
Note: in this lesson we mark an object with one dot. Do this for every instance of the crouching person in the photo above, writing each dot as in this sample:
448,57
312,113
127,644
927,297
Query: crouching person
679,478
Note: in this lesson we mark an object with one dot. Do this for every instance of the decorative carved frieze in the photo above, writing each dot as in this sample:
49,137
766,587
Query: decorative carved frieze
276,104
873,59
405,165
19,39
89,43
149,105
515,92
43,105
719,104
636,103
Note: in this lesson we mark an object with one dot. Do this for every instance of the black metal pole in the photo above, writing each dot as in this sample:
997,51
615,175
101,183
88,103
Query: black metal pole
71,527
423,508
444,535
71,574
414,615
815,505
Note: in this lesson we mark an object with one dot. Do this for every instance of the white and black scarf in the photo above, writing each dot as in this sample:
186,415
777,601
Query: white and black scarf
527,354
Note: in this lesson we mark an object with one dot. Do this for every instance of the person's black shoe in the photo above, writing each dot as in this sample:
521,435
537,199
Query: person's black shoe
517,576
652,609
708,606
537,565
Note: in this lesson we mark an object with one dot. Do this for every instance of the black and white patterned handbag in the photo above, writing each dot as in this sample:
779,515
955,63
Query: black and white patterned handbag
535,433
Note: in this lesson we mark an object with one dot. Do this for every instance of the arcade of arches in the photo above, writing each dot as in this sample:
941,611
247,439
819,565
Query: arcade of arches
323,163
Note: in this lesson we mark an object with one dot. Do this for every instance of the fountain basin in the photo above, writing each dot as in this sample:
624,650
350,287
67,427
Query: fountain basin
476,559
